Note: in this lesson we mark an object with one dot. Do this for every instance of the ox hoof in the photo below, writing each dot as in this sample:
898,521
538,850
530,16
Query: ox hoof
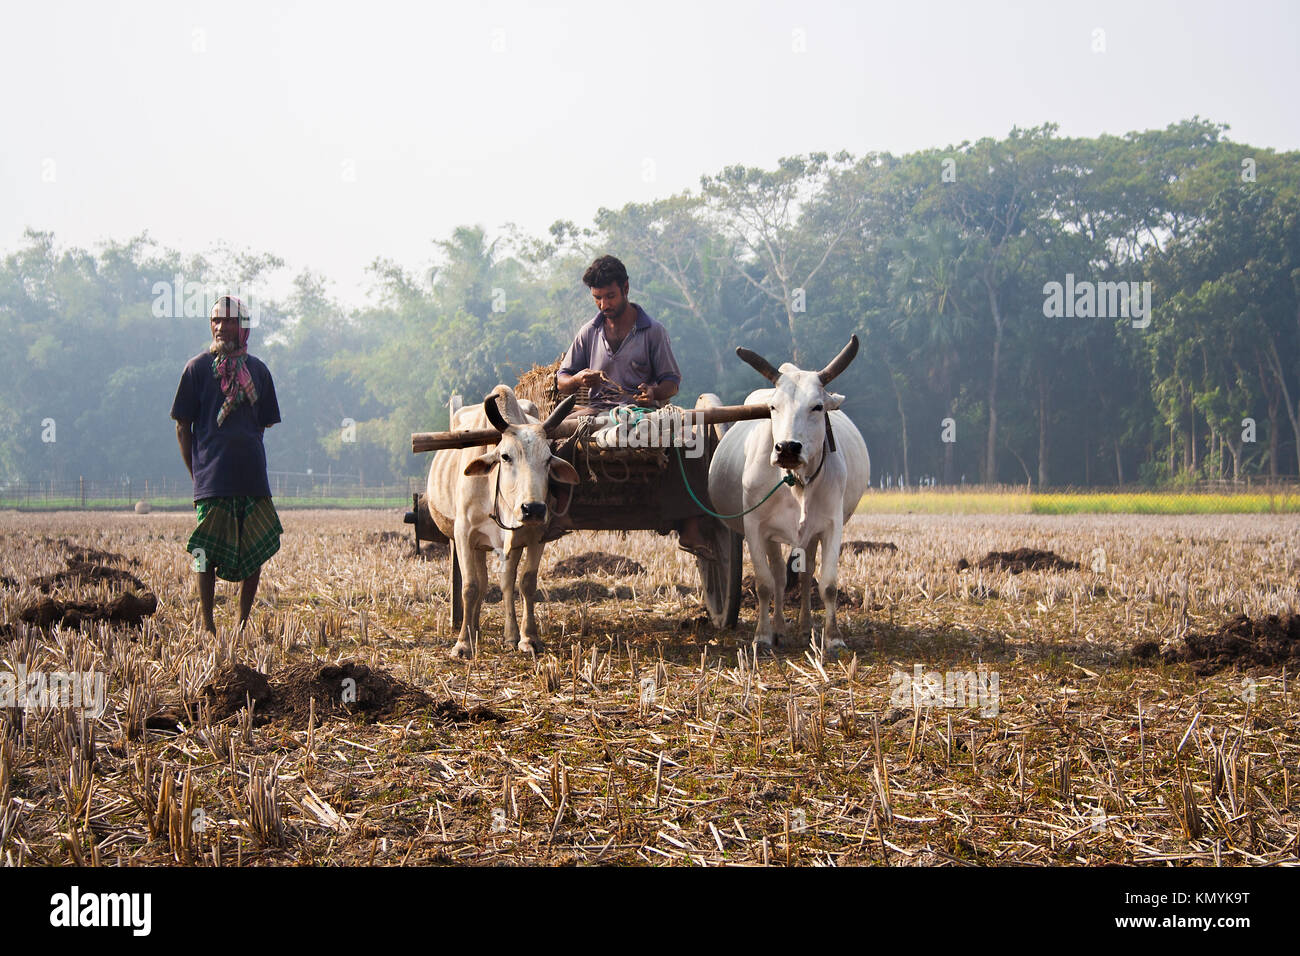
531,646
461,652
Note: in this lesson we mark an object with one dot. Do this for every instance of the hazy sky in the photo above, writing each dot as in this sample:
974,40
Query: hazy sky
332,133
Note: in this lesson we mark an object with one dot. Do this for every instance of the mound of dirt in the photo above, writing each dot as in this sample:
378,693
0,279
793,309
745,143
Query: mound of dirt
1242,642
578,591
124,609
596,562
434,551
1021,559
78,571
342,690
379,537
7,582
857,547
80,552
233,687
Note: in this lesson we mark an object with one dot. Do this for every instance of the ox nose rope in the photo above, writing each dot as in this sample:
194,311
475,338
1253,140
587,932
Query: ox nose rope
789,478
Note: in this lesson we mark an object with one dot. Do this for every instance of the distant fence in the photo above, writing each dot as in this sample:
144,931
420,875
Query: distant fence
289,489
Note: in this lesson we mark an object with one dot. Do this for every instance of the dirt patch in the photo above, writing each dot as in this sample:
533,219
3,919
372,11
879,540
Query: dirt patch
579,591
1242,642
233,687
7,582
379,537
1021,559
81,552
79,571
857,547
344,690
436,551
123,609
596,562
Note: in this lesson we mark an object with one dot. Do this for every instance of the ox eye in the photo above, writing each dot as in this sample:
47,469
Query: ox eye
505,458
818,407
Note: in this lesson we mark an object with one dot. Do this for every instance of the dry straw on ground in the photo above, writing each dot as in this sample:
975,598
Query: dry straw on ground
643,735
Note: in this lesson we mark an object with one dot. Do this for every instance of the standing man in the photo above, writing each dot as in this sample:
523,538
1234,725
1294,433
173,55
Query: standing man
224,402
623,356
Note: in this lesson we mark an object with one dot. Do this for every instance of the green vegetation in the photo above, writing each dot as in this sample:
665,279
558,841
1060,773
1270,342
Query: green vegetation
989,282
1023,502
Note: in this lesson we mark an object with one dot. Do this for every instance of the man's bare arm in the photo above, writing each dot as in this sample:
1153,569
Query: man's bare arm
657,394
587,378
185,438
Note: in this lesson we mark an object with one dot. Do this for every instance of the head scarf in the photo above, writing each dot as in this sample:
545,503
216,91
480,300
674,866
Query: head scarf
230,362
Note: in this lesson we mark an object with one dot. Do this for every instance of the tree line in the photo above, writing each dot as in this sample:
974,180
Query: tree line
1033,309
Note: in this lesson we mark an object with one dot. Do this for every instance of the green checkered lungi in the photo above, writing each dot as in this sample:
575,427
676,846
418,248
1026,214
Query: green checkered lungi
235,536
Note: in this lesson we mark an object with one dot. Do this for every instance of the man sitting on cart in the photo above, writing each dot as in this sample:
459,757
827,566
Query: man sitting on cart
624,358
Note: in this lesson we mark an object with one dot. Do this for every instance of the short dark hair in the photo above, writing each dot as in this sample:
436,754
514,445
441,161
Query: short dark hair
605,271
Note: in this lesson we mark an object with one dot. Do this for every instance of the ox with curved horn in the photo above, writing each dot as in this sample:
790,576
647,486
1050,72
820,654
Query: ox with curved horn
814,446
494,498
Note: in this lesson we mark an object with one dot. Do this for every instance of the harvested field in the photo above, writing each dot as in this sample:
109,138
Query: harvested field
1138,707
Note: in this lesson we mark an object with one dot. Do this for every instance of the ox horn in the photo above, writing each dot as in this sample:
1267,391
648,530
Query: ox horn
840,362
558,415
760,365
494,414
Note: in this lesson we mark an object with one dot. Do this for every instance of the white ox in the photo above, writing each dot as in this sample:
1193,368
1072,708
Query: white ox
493,498
755,455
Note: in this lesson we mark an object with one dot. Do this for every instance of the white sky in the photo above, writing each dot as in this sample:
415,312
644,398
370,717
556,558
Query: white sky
205,121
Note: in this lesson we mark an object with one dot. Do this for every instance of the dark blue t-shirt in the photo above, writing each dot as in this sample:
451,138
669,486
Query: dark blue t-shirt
229,460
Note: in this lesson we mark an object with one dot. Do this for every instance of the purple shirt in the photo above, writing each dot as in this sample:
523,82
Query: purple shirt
228,460
644,357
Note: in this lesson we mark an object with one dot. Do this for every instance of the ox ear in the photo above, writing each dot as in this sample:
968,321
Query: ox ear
833,401
563,472
481,465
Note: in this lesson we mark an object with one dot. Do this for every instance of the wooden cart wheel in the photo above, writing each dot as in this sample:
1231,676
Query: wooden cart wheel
457,604
720,579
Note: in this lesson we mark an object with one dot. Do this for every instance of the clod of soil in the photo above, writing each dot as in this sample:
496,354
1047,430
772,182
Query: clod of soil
1242,642
596,562
232,688
124,609
1021,559
78,571
580,591
80,552
345,689
857,547
7,582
